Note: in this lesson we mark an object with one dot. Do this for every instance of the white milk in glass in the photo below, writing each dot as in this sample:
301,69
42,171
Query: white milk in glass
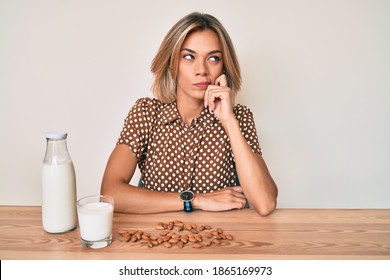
95,220
59,212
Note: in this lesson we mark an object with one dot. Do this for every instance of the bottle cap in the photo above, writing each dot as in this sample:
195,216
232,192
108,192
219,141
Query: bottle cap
56,135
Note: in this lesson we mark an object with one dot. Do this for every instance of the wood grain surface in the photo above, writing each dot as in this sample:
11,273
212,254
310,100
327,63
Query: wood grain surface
286,234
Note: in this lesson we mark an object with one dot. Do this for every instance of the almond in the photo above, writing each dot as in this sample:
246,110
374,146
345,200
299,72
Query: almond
174,240
179,228
192,239
184,240
188,226
160,227
169,235
198,237
166,238
229,236
216,241
222,235
134,239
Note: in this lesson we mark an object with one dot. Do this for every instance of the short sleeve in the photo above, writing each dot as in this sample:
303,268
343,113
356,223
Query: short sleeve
137,126
248,127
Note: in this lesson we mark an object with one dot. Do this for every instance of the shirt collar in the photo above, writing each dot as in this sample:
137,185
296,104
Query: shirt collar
170,113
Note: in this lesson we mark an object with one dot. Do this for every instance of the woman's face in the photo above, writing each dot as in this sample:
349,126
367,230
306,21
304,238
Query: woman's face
200,64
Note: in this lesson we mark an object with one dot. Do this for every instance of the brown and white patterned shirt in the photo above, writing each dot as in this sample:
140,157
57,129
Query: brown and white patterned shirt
173,156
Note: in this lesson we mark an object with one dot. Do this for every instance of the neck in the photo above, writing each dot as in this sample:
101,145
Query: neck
189,109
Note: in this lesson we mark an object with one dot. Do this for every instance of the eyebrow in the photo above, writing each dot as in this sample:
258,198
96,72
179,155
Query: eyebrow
192,51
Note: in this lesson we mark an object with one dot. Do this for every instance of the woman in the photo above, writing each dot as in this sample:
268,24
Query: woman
191,143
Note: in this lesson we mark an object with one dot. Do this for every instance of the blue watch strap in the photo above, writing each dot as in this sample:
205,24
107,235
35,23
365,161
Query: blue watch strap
187,206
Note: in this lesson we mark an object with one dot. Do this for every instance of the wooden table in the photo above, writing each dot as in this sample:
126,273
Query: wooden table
285,234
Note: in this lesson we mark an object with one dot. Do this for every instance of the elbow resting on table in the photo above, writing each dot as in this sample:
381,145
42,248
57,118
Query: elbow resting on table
264,209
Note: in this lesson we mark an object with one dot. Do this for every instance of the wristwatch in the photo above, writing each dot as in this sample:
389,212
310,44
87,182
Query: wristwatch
187,196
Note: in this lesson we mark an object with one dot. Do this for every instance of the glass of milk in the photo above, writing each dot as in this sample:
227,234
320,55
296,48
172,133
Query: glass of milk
95,215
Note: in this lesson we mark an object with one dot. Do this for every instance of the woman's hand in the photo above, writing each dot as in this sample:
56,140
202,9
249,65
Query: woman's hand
221,200
219,100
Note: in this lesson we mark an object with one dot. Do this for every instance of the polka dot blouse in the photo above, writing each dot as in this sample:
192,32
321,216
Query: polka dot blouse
173,156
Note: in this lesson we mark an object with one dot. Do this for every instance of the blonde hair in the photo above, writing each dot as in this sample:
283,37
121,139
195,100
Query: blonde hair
165,64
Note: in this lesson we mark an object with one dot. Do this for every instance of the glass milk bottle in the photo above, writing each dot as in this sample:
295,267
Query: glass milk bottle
59,212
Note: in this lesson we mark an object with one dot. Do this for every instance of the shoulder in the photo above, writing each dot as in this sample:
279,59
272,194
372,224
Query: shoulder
244,115
146,106
241,111
148,103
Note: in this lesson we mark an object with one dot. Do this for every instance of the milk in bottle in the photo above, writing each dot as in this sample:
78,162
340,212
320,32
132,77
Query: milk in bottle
59,212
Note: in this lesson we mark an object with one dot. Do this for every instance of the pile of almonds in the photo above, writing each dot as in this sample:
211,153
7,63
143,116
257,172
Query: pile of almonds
172,234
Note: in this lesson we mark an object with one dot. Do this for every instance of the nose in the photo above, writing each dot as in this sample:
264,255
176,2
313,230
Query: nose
201,68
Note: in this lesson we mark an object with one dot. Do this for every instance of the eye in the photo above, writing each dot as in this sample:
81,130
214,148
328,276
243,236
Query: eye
215,58
188,56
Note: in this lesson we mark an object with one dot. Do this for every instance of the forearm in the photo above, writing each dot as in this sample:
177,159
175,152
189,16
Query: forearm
256,181
132,199
220,200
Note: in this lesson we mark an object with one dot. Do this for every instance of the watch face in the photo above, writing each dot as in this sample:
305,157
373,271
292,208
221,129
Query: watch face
186,195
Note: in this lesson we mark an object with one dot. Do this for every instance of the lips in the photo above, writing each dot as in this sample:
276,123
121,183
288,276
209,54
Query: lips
202,85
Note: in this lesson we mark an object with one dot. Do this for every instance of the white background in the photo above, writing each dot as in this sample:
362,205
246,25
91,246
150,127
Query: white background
281,269
316,75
